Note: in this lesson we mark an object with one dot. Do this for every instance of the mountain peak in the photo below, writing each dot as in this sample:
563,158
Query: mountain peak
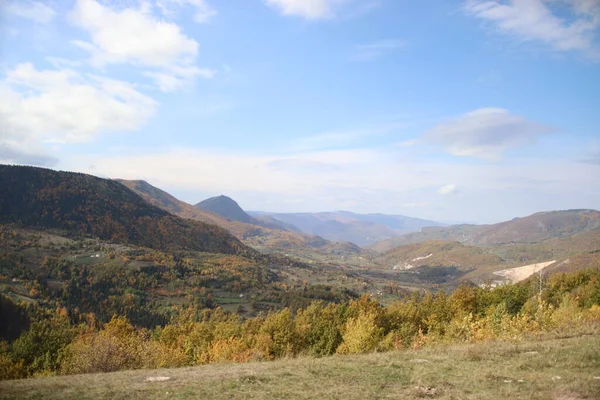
226,207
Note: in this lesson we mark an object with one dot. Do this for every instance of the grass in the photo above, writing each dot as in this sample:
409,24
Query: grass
561,368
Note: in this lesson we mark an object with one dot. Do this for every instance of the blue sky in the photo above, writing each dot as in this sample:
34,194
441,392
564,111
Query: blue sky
449,110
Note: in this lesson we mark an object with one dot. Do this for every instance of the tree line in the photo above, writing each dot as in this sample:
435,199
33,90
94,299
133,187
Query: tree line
56,344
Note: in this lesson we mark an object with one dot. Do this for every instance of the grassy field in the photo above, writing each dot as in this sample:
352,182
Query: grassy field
561,369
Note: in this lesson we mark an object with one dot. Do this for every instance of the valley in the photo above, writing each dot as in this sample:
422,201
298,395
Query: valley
77,251
287,260
312,199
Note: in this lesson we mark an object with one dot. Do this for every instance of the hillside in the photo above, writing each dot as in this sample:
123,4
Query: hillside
84,205
439,254
281,237
362,229
159,198
482,263
531,229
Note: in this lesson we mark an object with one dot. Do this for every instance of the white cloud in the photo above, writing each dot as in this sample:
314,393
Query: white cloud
485,133
534,20
585,8
380,48
64,106
447,189
226,171
32,10
135,36
203,12
309,9
168,82
131,36
24,155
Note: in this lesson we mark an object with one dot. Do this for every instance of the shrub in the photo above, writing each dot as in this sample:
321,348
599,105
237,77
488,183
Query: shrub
361,334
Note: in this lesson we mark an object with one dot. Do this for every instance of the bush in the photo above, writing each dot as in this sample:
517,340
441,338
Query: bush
116,347
361,334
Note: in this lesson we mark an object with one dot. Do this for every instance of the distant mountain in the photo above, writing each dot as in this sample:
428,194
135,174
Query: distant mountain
272,223
166,201
361,229
268,234
226,207
85,205
532,229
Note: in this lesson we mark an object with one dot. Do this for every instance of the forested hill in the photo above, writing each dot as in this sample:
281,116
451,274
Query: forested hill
87,205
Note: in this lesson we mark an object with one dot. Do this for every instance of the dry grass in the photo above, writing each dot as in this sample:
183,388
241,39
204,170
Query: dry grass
564,368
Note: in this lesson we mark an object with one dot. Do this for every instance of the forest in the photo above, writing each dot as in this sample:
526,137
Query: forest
61,342
84,205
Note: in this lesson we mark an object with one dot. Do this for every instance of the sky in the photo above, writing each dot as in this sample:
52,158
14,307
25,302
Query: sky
451,110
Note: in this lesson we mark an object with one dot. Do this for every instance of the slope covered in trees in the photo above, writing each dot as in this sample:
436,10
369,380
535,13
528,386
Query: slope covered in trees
226,207
534,228
270,235
567,303
90,206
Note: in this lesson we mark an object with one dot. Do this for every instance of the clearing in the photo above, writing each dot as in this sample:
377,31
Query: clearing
518,274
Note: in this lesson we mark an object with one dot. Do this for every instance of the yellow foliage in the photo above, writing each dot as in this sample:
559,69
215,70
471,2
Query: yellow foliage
281,329
231,349
158,355
361,334
10,369
117,346
592,314
420,341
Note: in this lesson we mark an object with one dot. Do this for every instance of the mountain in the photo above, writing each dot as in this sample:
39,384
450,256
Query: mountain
268,235
167,202
85,205
226,207
449,263
229,209
362,229
270,222
531,229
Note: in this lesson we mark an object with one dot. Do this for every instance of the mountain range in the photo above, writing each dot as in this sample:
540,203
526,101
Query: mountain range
531,229
83,204
265,234
362,229
137,213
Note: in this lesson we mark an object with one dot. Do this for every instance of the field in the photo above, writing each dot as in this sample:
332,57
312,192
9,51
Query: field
553,368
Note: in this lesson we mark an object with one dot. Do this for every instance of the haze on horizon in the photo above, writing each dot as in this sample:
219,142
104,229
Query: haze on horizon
446,110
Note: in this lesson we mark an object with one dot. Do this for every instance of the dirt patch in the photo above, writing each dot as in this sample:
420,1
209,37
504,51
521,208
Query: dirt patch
157,378
519,274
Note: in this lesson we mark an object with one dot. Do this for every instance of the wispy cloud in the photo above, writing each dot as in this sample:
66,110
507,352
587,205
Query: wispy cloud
33,10
377,180
380,48
203,11
309,9
447,189
11,153
537,20
485,133
345,138
593,155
